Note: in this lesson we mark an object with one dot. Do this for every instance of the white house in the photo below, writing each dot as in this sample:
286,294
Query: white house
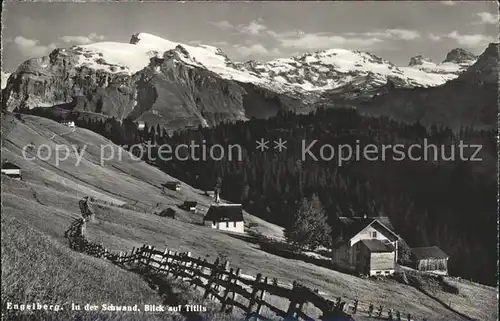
366,245
11,170
140,125
226,217
70,124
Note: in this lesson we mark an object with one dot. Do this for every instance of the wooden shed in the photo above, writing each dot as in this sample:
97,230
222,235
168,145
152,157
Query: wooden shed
174,186
430,259
169,212
189,206
11,170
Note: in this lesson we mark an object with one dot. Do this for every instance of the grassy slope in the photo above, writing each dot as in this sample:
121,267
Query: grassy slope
37,268
56,191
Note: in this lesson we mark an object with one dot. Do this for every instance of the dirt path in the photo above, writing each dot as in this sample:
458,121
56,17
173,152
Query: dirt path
54,136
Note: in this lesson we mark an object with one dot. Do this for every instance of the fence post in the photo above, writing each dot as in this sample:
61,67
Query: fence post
164,260
213,274
293,302
175,265
143,257
253,297
187,264
138,255
226,292
169,261
380,311
150,254
197,269
221,275
235,295
132,255
261,298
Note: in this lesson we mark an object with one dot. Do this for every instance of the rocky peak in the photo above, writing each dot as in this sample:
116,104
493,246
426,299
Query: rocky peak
134,39
417,60
485,69
459,55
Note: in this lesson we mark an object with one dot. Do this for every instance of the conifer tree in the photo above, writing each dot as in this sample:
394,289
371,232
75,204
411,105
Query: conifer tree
309,228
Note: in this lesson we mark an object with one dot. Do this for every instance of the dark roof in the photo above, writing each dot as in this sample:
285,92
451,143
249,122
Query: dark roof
431,252
190,203
377,246
167,212
172,183
350,226
224,212
9,165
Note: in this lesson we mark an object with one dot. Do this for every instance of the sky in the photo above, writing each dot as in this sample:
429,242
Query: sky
261,31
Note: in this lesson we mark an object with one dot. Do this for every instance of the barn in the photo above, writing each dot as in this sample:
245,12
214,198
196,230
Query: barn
11,170
374,257
226,217
430,260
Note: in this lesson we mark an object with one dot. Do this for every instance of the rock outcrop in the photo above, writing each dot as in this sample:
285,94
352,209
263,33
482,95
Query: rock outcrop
460,56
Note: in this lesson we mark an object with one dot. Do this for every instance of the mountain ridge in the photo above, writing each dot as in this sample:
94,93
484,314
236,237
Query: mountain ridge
142,79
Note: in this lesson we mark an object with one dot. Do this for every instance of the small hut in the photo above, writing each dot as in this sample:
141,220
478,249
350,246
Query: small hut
430,260
189,206
169,212
174,186
11,170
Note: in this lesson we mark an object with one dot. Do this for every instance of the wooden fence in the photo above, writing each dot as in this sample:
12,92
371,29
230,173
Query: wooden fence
229,285
233,289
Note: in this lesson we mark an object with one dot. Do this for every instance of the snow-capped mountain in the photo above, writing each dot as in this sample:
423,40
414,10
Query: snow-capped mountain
334,68
141,78
456,62
469,99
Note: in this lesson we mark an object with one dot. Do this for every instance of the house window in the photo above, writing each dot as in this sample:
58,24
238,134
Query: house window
227,224
234,224
374,234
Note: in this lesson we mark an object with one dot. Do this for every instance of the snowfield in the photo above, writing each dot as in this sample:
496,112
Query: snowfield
5,76
319,71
